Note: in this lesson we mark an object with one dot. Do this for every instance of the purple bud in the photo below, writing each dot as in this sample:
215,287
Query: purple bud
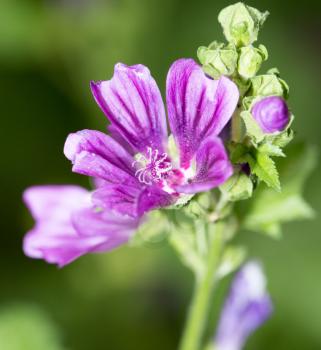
247,307
271,113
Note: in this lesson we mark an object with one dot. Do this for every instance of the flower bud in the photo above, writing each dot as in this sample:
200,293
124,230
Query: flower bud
271,113
241,23
269,84
218,59
250,60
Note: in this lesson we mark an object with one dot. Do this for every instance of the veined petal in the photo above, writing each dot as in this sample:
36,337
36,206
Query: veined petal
113,132
198,106
247,307
96,154
121,198
58,245
116,228
151,198
213,167
132,102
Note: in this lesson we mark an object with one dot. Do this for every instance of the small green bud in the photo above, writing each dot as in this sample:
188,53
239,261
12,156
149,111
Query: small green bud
241,23
269,85
154,230
250,60
237,187
218,59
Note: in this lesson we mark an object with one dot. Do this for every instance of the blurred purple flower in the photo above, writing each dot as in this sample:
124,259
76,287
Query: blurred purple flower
271,113
247,307
133,170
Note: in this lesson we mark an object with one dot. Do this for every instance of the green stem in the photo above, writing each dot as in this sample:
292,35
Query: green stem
200,305
236,127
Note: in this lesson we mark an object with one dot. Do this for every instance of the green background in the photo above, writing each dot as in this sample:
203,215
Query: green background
134,298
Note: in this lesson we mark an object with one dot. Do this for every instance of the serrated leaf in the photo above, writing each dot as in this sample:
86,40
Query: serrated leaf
269,209
264,168
271,150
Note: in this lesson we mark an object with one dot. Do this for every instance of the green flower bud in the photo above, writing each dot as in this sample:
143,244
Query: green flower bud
218,59
250,60
238,187
268,85
241,23
153,230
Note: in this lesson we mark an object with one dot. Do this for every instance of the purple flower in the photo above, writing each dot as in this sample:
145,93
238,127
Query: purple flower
271,113
133,169
248,305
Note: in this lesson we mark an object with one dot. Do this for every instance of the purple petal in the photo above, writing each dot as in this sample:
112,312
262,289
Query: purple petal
132,102
61,234
120,198
271,113
55,201
213,167
117,136
96,154
247,307
115,228
198,106
152,198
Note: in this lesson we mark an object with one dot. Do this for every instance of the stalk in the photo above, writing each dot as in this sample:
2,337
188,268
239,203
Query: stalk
200,305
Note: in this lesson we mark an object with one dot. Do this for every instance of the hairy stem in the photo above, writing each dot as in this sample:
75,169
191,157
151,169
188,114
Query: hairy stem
200,305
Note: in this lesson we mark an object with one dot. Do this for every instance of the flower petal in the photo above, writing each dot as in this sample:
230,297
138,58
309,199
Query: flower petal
120,198
132,102
96,154
116,228
198,106
55,201
152,198
213,167
248,306
68,226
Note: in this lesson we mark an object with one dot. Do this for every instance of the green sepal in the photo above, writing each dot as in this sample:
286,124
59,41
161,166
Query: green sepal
237,187
252,127
241,23
268,85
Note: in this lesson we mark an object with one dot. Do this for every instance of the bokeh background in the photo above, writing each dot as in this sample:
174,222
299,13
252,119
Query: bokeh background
134,298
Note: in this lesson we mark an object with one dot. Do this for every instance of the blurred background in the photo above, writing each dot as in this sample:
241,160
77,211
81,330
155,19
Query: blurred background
134,298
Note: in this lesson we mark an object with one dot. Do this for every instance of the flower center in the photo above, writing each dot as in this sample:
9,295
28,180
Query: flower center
152,168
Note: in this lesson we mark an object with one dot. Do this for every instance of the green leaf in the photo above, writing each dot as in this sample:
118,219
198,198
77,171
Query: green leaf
269,209
271,150
264,168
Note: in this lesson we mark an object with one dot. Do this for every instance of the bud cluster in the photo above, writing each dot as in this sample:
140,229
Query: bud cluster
263,117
